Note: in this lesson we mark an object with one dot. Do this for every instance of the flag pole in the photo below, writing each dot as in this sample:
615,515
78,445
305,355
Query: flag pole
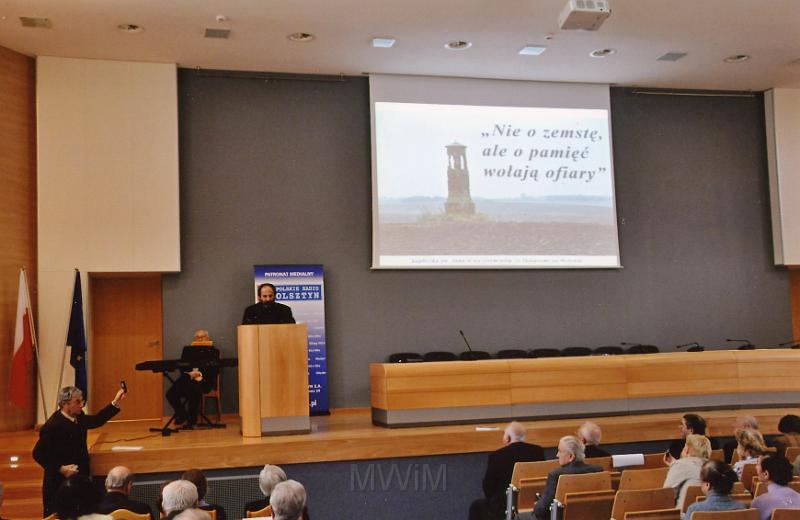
35,343
64,352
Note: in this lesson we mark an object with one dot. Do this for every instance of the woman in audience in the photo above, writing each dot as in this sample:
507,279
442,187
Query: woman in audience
685,471
196,477
718,479
775,472
750,446
78,499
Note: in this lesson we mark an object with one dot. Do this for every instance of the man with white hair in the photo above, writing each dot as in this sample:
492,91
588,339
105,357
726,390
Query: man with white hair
119,483
570,457
288,500
269,477
589,433
178,496
499,469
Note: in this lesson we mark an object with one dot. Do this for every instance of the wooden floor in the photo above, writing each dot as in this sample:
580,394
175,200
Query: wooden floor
348,434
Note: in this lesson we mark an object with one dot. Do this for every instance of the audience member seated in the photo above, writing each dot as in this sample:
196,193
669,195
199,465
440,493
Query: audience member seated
499,469
269,477
193,514
176,497
78,499
750,446
718,479
288,500
119,483
691,423
589,433
196,477
789,426
745,422
685,471
775,472
570,457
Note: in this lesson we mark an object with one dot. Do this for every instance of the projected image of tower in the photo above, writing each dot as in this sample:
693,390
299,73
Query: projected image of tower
459,201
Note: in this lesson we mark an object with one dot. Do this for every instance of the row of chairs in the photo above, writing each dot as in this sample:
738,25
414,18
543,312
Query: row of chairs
474,355
635,493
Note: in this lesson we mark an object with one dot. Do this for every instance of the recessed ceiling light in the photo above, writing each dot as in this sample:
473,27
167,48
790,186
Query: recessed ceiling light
130,28
222,34
602,53
32,21
671,56
532,50
301,37
737,58
458,45
383,43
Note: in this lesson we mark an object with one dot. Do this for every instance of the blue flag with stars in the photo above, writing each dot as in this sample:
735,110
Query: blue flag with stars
76,338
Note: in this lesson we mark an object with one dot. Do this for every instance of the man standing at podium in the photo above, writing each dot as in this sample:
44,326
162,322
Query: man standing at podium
267,311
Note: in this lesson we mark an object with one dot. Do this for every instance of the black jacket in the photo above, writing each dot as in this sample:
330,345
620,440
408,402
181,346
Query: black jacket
267,314
500,468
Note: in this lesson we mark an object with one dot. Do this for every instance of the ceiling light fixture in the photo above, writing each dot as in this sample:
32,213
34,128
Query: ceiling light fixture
383,43
130,28
671,56
301,37
32,21
602,53
532,50
737,58
221,34
457,45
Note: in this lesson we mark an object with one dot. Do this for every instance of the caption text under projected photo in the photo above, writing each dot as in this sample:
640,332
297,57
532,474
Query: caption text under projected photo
493,187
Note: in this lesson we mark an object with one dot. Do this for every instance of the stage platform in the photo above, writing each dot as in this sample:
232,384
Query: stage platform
349,435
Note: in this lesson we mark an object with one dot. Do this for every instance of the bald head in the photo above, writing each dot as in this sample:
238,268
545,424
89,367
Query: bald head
119,479
589,433
515,432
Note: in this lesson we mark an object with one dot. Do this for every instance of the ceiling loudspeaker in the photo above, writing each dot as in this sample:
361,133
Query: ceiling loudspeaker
587,15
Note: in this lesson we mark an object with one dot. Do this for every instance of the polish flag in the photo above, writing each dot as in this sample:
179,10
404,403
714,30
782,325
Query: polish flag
21,382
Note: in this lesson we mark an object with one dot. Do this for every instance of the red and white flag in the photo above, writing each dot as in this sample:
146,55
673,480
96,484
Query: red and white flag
21,380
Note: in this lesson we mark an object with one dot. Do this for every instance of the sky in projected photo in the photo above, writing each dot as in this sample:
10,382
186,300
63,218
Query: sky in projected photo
511,151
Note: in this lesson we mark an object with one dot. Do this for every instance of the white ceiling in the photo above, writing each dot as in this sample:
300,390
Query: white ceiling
639,30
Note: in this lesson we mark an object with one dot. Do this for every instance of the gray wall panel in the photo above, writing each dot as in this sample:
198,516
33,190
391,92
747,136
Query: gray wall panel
279,172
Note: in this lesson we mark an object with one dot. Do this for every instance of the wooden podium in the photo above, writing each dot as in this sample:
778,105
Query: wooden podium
273,379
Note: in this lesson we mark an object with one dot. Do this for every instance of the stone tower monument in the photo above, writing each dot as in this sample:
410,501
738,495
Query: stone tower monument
459,201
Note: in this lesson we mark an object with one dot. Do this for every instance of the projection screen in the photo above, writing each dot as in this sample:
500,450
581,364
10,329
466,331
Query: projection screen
490,174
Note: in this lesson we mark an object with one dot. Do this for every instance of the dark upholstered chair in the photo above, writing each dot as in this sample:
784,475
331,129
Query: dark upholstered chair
643,349
474,355
576,351
439,355
405,357
544,353
608,351
512,353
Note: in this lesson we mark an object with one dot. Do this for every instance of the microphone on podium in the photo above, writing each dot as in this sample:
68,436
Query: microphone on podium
693,347
465,339
747,344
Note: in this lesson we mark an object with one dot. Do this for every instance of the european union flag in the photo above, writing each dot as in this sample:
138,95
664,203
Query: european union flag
76,338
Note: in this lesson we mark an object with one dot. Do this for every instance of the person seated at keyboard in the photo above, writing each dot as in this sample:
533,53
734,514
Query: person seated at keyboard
188,389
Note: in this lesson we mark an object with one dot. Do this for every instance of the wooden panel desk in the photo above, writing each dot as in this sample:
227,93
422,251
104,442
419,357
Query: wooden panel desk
413,394
273,379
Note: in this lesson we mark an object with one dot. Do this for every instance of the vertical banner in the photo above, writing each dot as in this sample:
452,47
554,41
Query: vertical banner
302,288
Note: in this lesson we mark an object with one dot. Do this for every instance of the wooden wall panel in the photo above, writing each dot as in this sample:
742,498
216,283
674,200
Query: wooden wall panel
18,217
794,286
